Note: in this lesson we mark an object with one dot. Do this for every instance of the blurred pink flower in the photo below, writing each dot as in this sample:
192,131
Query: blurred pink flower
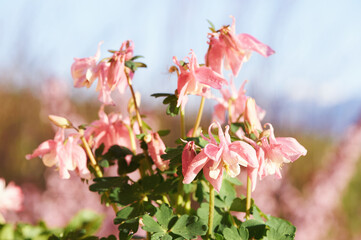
194,79
215,156
251,117
235,49
11,197
234,102
156,148
278,151
66,154
84,70
109,130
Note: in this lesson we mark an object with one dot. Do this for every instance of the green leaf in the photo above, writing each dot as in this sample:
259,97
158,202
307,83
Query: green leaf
103,163
105,183
256,229
189,227
136,57
235,234
152,226
203,211
239,205
163,132
99,150
157,95
164,215
280,229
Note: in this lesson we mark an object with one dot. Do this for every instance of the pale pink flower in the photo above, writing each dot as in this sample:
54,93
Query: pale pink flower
156,149
251,117
196,80
84,70
278,151
113,73
66,154
11,197
109,130
234,102
235,49
216,156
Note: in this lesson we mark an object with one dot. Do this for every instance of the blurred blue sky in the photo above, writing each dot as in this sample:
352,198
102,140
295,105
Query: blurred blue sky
317,43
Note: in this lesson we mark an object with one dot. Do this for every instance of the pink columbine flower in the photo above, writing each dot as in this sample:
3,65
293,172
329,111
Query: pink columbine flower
234,102
64,153
235,49
273,152
157,148
84,70
113,73
216,156
194,79
109,130
11,197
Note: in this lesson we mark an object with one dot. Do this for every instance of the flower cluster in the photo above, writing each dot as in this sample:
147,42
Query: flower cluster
128,142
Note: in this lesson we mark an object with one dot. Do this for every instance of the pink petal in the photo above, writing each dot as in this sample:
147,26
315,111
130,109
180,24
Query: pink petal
156,148
216,183
246,151
195,167
214,56
42,149
251,43
208,77
213,152
291,148
188,154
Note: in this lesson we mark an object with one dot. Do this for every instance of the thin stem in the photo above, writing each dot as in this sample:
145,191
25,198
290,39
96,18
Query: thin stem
93,162
139,119
199,117
210,212
140,122
182,124
180,191
248,200
232,220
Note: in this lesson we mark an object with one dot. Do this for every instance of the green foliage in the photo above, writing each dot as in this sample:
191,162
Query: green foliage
171,101
81,227
169,226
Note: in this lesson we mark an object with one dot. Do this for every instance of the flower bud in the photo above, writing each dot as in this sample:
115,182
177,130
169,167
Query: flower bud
60,121
250,116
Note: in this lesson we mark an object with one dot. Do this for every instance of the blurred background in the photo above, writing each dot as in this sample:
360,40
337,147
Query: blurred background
309,88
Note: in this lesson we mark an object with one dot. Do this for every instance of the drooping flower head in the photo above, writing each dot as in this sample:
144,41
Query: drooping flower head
234,49
109,130
84,70
195,79
278,151
66,154
156,149
11,197
215,157
113,74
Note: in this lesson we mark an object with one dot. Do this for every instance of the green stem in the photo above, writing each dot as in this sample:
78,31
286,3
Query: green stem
210,212
248,200
182,124
179,204
94,164
199,117
187,204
